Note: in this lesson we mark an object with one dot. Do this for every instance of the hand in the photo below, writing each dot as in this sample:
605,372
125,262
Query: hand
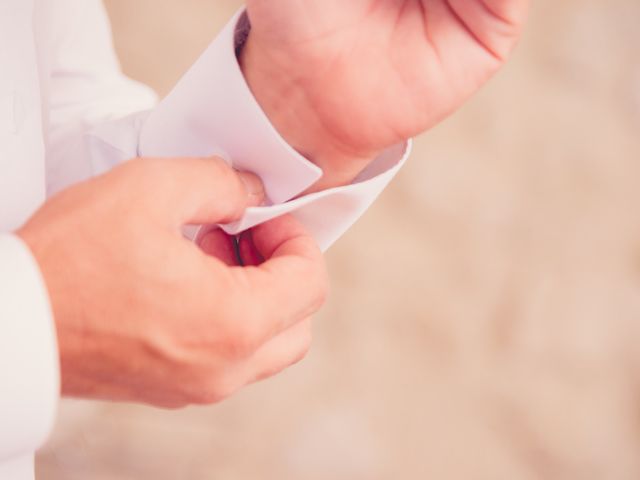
343,80
144,315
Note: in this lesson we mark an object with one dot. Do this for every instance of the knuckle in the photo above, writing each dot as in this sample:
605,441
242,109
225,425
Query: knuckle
316,286
207,377
304,347
321,289
245,341
222,170
240,332
206,396
212,392
230,187
220,164
242,338
325,290
229,171
297,353
203,396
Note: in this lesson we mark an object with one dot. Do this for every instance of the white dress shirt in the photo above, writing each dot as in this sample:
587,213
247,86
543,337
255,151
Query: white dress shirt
67,113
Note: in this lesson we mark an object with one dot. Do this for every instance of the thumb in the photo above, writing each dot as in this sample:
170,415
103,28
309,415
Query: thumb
200,190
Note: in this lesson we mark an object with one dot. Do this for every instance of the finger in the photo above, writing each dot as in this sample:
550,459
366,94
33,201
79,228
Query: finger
216,243
495,24
291,284
510,11
247,250
280,353
197,190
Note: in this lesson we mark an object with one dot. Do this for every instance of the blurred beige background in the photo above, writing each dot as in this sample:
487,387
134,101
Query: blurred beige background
484,322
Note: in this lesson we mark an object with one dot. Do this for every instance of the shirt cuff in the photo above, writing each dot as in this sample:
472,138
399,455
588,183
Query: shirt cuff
328,214
29,365
212,111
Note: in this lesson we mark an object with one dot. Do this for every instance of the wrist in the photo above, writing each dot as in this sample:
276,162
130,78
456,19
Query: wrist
285,97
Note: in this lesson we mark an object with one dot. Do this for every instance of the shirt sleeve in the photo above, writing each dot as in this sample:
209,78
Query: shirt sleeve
211,111
86,89
29,371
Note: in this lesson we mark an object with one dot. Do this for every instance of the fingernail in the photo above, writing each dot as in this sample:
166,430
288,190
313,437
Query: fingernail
254,187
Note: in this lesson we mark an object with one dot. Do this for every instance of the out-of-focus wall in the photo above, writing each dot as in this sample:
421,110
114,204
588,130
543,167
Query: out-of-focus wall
485,317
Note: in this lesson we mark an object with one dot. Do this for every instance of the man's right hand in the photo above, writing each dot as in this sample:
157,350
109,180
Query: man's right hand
144,315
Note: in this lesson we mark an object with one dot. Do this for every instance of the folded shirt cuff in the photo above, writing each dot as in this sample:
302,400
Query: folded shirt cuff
329,213
212,111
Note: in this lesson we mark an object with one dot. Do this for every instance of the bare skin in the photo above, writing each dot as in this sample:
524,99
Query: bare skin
144,315
343,80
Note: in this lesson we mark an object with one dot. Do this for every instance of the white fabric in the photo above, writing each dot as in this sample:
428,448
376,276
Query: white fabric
66,113
17,468
184,124
29,371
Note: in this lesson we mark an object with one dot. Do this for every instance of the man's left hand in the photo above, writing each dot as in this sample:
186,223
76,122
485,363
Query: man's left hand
344,79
